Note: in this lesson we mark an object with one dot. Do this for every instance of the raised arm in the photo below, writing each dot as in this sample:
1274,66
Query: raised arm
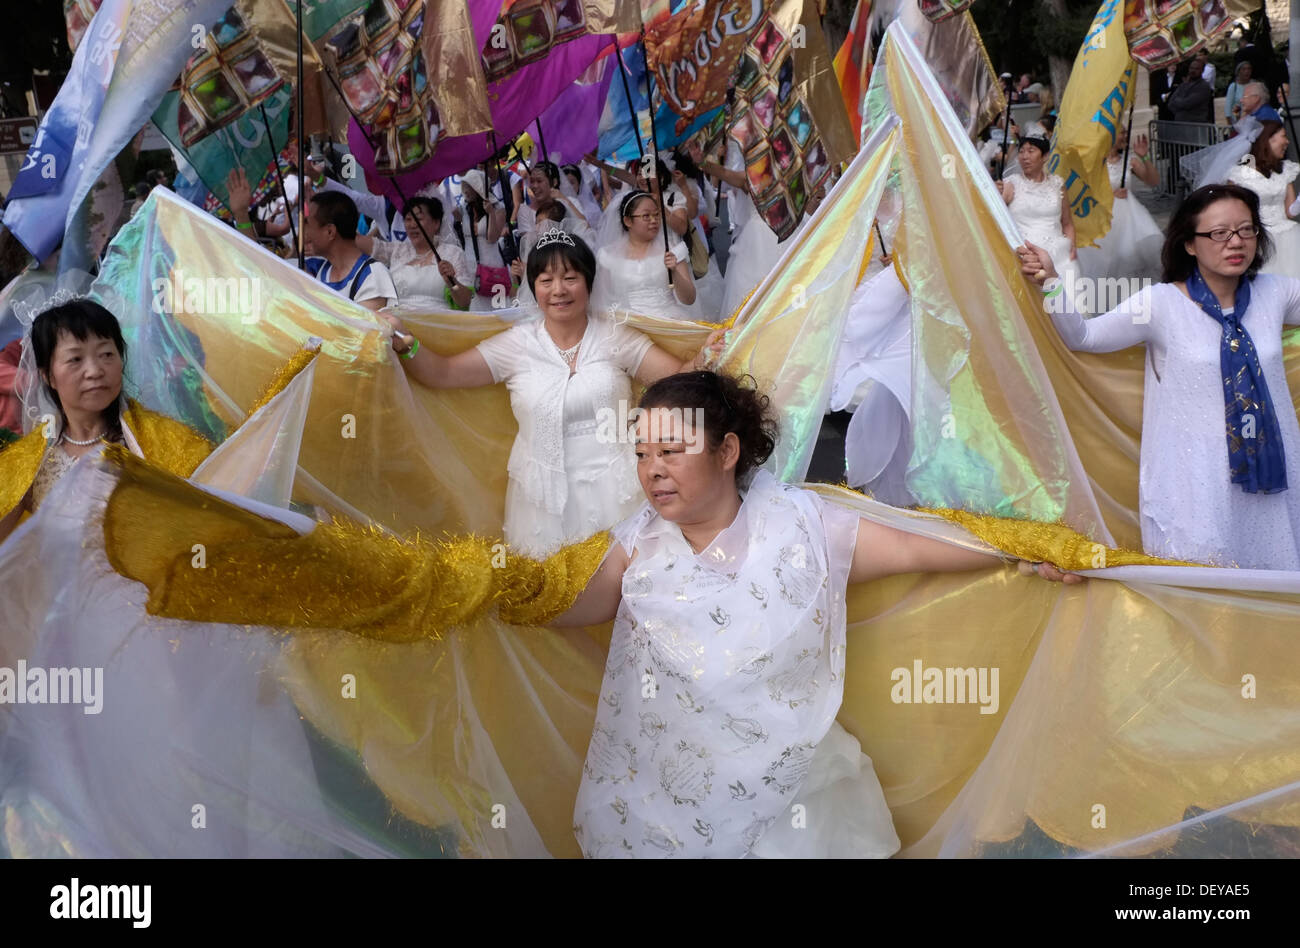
658,363
467,369
885,551
1128,324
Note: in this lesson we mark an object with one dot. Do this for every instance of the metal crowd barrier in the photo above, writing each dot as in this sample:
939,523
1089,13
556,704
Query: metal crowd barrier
1170,141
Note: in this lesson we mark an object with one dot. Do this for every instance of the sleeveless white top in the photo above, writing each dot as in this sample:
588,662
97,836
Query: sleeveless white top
725,671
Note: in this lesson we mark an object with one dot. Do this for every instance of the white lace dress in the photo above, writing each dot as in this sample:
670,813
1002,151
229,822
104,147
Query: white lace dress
1272,213
571,474
639,285
1036,209
1130,250
1189,507
724,677
418,280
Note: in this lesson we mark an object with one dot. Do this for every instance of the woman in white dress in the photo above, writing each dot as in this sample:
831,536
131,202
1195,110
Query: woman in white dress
686,200
1267,172
1210,492
1131,248
1038,204
632,269
423,280
569,373
755,249
487,223
726,665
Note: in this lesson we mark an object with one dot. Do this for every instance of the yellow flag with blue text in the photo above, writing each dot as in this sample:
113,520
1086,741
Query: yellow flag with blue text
1092,112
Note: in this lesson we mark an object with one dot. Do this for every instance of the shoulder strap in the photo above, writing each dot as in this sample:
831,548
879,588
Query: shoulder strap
363,271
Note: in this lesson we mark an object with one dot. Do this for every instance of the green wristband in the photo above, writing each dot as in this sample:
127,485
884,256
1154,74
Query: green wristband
410,353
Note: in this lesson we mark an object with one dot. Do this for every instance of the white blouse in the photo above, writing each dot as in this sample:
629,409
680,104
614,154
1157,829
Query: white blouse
569,478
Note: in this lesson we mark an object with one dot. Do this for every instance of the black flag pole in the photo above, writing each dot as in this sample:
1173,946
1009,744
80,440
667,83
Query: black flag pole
507,198
302,160
654,140
627,91
1006,126
289,211
1128,143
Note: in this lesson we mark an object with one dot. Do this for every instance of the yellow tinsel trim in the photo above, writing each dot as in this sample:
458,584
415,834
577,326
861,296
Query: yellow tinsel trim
203,559
19,463
1054,543
283,376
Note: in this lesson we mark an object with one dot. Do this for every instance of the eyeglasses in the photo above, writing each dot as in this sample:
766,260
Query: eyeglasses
654,216
1222,235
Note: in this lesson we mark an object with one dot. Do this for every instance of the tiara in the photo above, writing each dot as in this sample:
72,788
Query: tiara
553,237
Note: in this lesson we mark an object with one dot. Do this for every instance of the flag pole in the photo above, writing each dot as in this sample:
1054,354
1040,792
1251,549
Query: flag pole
627,91
1006,126
302,160
507,198
654,140
275,160
1128,143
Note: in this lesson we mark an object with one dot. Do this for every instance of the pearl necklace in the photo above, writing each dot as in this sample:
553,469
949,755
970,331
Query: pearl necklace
82,444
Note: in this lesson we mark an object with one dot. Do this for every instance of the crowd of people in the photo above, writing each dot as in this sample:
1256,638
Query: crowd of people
578,243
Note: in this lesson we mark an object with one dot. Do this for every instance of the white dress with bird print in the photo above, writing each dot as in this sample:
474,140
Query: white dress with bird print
725,674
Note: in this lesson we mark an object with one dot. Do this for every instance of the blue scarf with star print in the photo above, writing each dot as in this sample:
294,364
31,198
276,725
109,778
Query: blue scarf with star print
1255,457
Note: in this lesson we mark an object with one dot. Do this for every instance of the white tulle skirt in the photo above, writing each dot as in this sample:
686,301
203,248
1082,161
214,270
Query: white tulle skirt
195,752
1285,260
1130,249
754,254
844,813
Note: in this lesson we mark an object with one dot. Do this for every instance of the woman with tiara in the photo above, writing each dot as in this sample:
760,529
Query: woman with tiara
632,273
568,374
1266,171
73,361
1131,248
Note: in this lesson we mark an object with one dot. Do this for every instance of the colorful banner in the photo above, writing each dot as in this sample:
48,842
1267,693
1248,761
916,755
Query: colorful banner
527,31
853,65
517,101
1160,32
788,116
132,53
624,124
379,64
955,53
1101,84
694,53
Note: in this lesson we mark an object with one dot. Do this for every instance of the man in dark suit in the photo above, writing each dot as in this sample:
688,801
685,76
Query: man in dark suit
1191,100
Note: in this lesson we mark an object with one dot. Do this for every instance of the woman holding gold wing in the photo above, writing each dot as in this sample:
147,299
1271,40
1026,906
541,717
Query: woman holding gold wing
76,350
571,471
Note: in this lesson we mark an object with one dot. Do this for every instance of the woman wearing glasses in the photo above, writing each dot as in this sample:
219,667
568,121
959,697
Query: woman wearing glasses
632,270
1220,439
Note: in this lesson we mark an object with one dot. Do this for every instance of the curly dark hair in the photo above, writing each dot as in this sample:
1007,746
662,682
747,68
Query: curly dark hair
730,407
1176,263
